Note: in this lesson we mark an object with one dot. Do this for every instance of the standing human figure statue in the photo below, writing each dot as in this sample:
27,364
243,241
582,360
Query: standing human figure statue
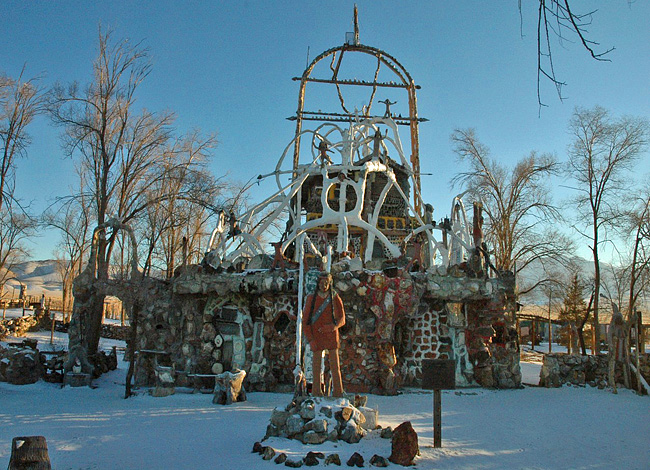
616,336
323,148
323,317
388,103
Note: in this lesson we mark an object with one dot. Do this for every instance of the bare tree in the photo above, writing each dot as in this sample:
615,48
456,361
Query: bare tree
119,148
636,228
185,196
15,227
20,102
115,145
516,201
602,152
72,219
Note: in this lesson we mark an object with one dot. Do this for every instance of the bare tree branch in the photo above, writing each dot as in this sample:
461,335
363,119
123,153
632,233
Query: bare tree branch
516,202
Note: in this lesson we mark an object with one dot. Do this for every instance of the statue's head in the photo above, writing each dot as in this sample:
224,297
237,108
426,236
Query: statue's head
324,281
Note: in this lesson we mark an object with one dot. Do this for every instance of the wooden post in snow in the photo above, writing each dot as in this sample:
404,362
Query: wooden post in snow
29,452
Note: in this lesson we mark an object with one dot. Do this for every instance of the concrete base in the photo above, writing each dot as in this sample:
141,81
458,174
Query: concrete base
77,379
160,392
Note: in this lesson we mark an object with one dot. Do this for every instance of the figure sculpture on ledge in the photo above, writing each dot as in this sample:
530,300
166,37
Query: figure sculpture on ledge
323,317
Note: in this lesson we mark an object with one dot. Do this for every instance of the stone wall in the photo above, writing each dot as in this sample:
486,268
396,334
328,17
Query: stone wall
207,322
115,332
559,369
419,339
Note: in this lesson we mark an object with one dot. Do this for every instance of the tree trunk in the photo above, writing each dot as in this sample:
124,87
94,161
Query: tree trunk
596,334
132,346
172,257
637,372
94,322
95,310
29,453
581,335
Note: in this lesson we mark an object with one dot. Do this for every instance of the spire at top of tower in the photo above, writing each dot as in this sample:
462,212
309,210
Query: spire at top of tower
356,25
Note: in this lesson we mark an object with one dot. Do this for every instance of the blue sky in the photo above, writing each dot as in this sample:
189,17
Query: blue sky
227,67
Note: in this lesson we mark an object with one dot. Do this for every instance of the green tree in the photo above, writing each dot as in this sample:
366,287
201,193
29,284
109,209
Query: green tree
574,308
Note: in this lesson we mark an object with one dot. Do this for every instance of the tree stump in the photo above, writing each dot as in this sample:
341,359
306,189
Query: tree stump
229,388
29,453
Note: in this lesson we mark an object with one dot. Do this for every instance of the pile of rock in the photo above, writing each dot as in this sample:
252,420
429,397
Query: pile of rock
53,367
18,326
404,450
22,363
314,420
314,458
20,366
103,362
115,332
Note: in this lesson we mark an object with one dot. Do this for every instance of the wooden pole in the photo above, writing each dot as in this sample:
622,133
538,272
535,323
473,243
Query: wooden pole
641,331
53,318
533,333
550,329
594,348
437,418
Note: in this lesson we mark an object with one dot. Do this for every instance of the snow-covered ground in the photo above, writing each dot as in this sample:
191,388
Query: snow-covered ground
15,312
529,428
533,428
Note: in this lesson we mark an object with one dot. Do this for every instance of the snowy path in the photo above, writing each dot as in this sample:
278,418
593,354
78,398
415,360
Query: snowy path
530,428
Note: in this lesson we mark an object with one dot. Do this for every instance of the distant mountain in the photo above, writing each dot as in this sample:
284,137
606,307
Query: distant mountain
40,277
560,272
537,302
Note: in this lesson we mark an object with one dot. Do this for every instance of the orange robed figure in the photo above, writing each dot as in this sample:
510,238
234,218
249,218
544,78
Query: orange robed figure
323,317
